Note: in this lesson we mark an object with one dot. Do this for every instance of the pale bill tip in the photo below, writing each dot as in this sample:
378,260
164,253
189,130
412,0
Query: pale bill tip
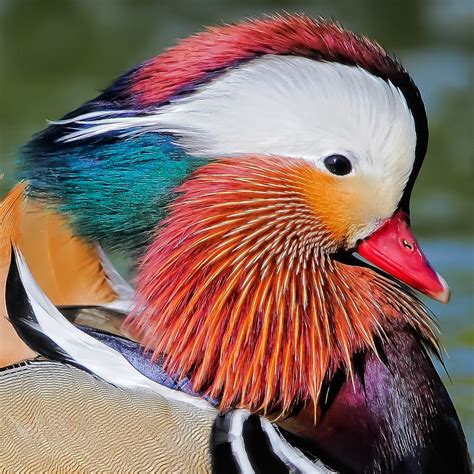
444,295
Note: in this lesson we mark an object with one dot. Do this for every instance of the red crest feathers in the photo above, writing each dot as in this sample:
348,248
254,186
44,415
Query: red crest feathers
196,59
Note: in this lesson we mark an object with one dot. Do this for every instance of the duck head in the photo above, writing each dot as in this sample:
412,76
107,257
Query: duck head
282,86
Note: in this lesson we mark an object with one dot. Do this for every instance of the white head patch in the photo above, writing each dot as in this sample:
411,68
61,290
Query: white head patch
289,106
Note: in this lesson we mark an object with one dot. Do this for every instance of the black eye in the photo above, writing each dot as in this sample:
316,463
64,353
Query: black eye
338,164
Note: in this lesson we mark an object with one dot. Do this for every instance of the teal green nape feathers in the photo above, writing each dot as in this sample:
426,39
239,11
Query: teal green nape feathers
113,189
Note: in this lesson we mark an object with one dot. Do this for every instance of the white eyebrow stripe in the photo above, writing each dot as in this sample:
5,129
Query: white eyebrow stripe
279,105
287,106
296,107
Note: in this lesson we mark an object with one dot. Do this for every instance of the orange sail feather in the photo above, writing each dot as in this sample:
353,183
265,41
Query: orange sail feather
68,269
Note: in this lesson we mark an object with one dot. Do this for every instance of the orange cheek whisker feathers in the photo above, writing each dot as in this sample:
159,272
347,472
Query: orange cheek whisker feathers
239,292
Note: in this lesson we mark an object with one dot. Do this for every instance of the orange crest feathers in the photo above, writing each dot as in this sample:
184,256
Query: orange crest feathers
239,291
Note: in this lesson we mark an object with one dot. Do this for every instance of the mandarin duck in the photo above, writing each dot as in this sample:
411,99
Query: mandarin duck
242,169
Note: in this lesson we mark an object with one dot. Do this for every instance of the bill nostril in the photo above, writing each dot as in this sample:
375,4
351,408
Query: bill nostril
407,244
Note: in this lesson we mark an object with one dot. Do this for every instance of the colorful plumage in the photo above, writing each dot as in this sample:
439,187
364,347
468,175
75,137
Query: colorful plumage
119,204
242,264
243,168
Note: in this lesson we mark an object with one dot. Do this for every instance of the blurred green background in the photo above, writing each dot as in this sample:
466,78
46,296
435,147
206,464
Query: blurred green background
55,54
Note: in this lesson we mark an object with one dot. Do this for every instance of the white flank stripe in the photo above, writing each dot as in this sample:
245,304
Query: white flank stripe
291,455
237,441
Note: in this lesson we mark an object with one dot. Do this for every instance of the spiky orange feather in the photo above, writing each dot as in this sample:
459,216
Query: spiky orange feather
239,290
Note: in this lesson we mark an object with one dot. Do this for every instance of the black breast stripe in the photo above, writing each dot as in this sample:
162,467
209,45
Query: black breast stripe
260,452
222,457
